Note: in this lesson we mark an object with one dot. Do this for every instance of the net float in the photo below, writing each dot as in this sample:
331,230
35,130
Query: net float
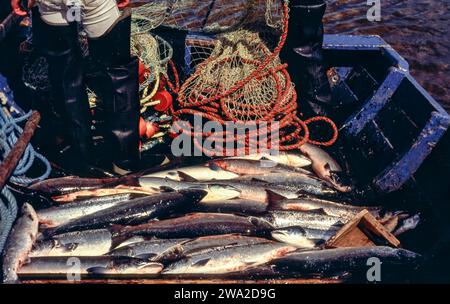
165,101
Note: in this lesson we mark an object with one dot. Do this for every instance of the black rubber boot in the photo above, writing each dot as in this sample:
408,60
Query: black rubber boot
120,92
60,46
304,54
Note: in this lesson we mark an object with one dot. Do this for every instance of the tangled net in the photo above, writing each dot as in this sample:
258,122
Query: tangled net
155,54
243,81
151,15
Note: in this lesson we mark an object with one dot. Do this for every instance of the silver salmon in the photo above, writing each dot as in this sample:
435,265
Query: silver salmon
258,190
313,220
214,191
324,166
254,167
134,212
56,216
20,243
229,260
283,158
289,179
215,242
68,267
200,172
64,185
153,250
332,261
303,237
121,189
78,243
238,205
310,203
196,225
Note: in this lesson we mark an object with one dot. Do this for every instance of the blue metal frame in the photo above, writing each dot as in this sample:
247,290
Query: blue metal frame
400,171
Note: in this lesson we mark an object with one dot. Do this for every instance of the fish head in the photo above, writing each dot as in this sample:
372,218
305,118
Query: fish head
217,192
340,181
290,231
130,241
146,267
260,223
407,224
295,236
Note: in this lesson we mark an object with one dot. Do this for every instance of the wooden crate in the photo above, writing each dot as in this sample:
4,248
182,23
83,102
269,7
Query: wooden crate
363,231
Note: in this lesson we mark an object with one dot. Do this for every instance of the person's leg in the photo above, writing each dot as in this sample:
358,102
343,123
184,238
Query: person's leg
304,54
119,90
59,44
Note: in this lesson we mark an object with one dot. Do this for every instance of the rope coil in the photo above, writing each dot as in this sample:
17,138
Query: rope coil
243,81
10,132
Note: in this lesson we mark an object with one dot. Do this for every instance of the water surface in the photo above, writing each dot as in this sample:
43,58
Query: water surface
418,29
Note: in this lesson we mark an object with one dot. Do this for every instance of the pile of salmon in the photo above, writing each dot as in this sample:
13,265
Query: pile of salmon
257,216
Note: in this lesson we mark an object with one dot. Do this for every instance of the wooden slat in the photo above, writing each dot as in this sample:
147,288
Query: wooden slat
358,231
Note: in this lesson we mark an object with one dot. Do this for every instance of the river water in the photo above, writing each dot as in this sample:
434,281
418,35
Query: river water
418,29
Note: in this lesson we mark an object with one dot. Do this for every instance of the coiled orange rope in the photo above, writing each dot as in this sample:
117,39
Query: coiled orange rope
212,104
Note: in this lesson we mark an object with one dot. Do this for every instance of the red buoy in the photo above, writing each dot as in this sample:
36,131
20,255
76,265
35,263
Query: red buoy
143,72
142,127
165,99
152,129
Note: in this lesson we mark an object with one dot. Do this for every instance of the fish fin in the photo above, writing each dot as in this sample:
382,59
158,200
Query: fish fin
146,256
194,195
259,180
97,270
201,263
274,199
186,177
260,222
166,189
250,264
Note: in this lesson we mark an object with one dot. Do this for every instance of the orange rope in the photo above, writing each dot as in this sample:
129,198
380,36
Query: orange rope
293,131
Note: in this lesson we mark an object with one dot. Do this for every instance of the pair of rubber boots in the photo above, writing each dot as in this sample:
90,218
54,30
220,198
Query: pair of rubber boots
304,53
118,84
